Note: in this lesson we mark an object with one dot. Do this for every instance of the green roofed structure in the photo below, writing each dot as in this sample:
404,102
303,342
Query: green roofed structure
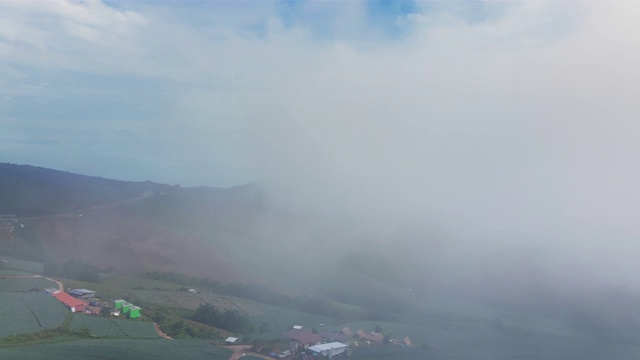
134,312
126,307
118,303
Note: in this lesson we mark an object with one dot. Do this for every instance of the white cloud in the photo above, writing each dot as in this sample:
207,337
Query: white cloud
520,127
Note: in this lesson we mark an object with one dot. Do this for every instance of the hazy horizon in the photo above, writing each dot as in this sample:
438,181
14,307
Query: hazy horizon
498,137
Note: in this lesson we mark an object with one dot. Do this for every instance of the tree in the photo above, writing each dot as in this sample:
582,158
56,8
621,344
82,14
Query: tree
105,311
79,270
53,269
264,327
207,314
231,320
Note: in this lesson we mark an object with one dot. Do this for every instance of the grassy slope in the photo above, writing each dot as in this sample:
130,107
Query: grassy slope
24,266
33,191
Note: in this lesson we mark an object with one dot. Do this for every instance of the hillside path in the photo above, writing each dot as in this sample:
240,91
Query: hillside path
159,331
60,286
238,350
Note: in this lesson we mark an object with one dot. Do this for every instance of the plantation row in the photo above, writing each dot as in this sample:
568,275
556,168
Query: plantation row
24,313
115,328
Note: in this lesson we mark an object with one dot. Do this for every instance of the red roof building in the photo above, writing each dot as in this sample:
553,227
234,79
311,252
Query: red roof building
72,303
373,336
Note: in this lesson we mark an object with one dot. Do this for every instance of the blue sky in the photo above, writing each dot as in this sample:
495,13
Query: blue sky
77,105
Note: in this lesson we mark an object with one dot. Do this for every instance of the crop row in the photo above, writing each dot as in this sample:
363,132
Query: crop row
98,326
23,313
49,311
136,328
116,328
15,315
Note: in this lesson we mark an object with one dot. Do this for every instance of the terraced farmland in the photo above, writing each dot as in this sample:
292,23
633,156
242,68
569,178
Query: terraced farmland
182,299
23,313
224,302
113,328
281,319
187,300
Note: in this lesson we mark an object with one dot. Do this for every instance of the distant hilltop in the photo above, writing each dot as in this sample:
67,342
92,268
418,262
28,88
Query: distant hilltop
27,190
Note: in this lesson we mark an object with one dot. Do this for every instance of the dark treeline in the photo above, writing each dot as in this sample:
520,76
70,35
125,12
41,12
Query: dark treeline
230,320
73,269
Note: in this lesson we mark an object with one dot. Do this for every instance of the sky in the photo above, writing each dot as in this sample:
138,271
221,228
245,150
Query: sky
497,122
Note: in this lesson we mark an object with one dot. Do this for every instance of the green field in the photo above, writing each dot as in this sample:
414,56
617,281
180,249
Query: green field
8,285
23,313
118,349
113,328
49,311
30,267
281,319
6,271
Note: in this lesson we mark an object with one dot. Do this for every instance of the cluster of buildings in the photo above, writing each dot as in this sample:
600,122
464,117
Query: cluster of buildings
73,299
128,309
84,300
333,343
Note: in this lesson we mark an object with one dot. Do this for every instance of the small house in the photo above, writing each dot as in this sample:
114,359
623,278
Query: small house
373,336
117,304
134,312
82,293
407,341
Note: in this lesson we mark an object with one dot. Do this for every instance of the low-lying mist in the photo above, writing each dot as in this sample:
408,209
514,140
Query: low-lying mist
502,170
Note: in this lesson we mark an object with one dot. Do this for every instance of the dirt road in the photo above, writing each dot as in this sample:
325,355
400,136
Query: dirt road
60,286
159,331
240,350
58,283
